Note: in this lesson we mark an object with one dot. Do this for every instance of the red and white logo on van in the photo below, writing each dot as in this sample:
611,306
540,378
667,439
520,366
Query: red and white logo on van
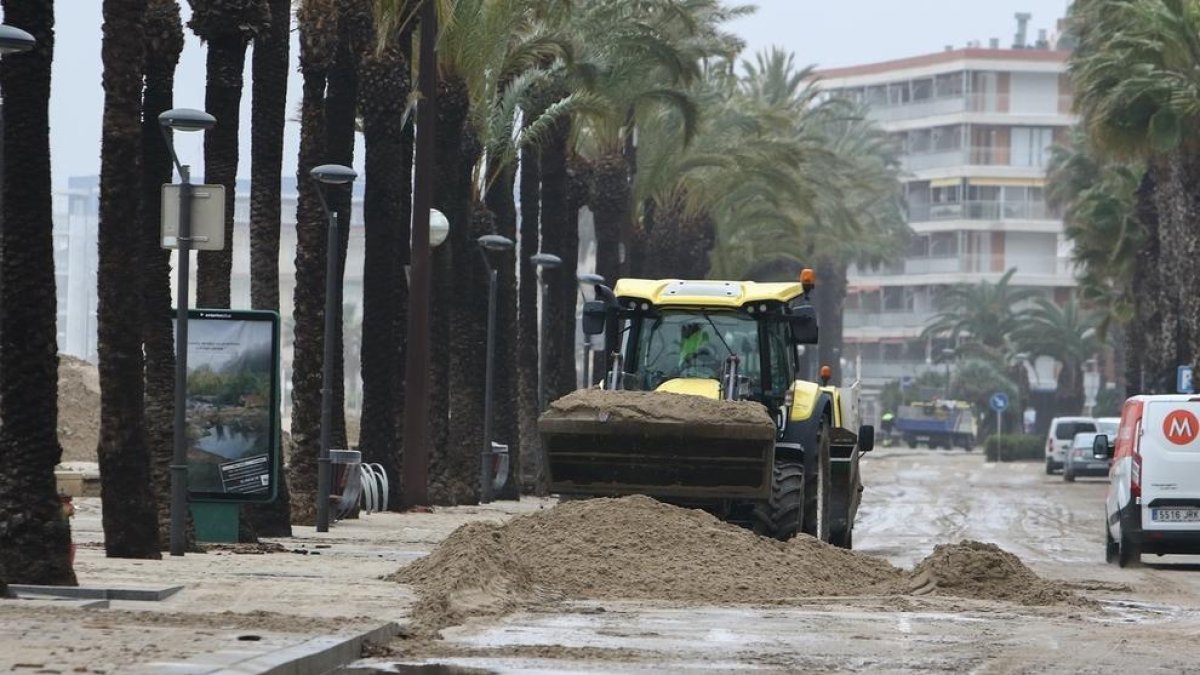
1181,427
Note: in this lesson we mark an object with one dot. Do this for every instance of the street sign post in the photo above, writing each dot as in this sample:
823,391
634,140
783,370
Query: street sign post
999,401
208,216
1183,380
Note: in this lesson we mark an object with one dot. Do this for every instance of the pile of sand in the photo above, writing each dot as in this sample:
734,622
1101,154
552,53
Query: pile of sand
78,409
632,548
972,569
657,406
638,548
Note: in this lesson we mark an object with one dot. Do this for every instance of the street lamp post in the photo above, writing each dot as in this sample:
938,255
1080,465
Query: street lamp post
543,262
584,280
328,174
499,243
12,41
181,119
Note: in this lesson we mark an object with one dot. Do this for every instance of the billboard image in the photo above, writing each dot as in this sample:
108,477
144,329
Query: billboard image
232,415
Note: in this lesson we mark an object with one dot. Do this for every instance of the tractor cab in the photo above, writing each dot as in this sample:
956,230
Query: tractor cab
717,339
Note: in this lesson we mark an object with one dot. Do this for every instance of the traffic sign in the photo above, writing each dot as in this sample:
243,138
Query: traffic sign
1183,380
999,401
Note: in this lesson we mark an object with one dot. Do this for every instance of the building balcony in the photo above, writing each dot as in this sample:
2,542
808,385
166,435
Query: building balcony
969,103
887,319
972,156
981,210
1038,265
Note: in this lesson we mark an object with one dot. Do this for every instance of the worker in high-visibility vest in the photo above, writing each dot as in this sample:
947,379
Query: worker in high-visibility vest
692,346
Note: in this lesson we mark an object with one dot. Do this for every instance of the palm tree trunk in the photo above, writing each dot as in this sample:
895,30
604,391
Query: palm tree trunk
499,200
164,42
267,118
830,302
341,110
527,320
560,236
452,198
1157,309
223,100
610,200
404,251
309,307
35,540
385,88
130,514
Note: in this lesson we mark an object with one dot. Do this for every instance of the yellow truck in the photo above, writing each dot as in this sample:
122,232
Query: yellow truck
720,341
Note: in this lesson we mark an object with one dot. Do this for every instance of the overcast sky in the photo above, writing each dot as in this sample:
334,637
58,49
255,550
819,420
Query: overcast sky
824,32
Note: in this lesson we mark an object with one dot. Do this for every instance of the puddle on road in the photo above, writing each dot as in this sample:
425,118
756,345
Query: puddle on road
1129,611
375,668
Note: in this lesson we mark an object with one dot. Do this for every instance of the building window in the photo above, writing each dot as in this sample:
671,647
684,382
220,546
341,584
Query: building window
943,245
948,85
922,90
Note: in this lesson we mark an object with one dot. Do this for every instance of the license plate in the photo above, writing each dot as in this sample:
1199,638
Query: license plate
1175,515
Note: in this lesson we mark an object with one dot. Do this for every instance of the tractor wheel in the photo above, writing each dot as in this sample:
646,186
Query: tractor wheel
781,515
818,497
842,538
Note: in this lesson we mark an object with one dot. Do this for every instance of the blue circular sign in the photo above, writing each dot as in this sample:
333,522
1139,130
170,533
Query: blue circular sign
999,401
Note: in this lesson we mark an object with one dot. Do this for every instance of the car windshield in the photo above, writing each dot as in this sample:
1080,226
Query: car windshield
1107,427
1084,440
695,344
1065,431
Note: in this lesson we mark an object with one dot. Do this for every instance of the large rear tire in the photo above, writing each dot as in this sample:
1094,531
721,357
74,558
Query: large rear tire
781,516
817,501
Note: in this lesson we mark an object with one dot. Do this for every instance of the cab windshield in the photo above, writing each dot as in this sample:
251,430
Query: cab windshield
695,344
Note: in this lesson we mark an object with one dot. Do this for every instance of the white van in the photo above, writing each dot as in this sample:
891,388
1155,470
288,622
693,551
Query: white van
1060,436
1153,502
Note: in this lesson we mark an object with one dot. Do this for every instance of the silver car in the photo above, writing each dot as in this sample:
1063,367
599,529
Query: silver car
1079,460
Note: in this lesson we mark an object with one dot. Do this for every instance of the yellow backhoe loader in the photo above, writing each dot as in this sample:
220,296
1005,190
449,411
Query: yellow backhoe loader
724,341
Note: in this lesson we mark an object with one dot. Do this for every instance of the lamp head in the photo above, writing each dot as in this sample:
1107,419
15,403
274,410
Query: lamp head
589,279
13,40
547,261
333,174
186,119
495,242
439,227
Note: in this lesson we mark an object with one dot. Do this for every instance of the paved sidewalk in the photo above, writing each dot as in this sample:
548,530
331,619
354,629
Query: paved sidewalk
237,610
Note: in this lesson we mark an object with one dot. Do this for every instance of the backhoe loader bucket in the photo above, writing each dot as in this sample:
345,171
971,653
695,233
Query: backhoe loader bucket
606,443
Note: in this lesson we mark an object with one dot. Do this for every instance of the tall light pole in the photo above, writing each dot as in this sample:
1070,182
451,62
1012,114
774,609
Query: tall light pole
495,243
326,175
12,41
587,280
181,119
416,360
543,262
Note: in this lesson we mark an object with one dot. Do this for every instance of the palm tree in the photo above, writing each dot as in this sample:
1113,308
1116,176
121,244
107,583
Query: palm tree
164,43
130,513
34,538
1138,95
981,318
1066,333
267,117
227,26
318,42
386,85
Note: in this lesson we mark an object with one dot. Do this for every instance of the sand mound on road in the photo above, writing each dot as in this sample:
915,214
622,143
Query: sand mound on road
628,548
640,549
972,569
658,406
78,409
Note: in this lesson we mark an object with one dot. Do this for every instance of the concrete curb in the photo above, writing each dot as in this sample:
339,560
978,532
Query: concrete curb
83,592
313,656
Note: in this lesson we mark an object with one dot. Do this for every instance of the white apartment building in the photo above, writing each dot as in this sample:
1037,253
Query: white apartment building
75,259
976,125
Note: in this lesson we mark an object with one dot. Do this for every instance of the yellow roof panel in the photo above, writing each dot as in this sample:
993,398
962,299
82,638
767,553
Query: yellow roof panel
684,293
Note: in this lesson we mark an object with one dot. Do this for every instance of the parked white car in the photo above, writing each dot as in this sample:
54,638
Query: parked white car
1060,436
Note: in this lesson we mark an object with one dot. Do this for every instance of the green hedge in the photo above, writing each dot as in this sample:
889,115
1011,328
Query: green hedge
1015,448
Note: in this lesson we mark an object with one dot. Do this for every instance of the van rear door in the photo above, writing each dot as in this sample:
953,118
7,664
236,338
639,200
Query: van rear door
1170,465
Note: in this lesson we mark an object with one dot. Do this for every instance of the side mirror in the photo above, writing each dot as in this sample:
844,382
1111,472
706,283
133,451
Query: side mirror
866,438
595,314
1101,449
803,324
